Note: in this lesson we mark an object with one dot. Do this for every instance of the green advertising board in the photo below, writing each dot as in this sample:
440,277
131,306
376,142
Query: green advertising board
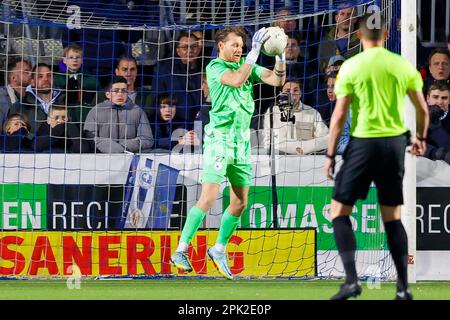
24,206
300,207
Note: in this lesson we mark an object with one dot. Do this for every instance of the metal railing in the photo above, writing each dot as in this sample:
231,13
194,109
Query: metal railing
434,19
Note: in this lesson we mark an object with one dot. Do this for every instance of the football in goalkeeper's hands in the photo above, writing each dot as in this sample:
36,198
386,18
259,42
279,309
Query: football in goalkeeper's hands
276,43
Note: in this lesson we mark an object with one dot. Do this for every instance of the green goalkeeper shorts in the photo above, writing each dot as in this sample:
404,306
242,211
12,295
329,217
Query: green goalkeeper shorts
227,159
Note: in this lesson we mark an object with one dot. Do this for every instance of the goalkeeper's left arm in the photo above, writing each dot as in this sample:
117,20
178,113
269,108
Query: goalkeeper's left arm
277,76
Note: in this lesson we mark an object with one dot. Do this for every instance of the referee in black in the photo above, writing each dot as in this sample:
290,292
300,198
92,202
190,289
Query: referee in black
374,84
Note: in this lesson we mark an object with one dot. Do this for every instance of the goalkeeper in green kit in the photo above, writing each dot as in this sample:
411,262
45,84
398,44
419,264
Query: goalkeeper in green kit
226,150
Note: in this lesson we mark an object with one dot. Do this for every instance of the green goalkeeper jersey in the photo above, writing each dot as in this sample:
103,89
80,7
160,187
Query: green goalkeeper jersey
232,108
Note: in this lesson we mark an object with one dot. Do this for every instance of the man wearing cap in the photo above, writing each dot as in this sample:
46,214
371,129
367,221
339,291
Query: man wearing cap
322,103
334,64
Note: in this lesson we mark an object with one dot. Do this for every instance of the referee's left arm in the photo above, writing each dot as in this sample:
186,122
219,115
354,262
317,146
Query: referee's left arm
336,127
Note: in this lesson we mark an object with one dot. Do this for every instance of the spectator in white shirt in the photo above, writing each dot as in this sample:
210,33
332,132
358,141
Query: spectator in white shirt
297,128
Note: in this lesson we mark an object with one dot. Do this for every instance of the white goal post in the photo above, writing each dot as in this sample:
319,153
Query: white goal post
408,50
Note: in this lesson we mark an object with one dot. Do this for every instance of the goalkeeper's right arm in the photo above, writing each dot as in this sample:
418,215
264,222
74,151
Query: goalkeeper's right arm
237,78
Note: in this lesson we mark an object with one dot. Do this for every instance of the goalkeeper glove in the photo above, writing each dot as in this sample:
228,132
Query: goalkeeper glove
258,39
281,58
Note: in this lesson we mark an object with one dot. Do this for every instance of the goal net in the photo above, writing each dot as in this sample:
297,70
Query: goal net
74,201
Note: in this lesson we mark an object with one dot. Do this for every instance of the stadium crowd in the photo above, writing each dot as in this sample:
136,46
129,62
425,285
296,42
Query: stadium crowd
102,99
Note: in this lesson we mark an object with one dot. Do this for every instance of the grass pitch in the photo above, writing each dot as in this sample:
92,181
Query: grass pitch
205,289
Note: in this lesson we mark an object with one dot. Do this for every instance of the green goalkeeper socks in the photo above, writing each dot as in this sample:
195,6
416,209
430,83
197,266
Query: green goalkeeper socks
228,225
193,221
195,217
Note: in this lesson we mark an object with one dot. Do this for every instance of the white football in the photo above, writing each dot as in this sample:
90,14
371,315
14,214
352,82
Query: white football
276,43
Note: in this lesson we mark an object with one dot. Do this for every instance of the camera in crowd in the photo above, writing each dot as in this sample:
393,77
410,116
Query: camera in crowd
286,105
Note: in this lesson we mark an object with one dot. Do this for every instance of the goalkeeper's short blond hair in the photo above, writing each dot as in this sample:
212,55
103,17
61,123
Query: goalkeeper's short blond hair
222,34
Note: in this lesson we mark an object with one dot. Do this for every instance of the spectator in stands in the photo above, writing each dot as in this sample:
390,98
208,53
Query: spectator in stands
345,137
438,67
181,77
297,128
293,50
16,134
334,64
57,135
291,27
341,39
438,138
167,133
202,49
127,67
288,25
118,125
103,46
40,95
297,68
322,102
200,35
18,77
438,95
81,90
296,63
331,80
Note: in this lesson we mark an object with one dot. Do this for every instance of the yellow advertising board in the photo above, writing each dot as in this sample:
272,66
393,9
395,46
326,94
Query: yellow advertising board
258,253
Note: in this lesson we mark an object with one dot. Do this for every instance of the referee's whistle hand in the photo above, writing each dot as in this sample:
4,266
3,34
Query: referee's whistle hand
329,168
418,147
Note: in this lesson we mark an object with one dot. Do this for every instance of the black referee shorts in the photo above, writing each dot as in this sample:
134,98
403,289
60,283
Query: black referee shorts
380,160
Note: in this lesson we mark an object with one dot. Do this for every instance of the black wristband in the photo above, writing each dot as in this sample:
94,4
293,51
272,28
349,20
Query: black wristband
280,73
421,138
330,156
